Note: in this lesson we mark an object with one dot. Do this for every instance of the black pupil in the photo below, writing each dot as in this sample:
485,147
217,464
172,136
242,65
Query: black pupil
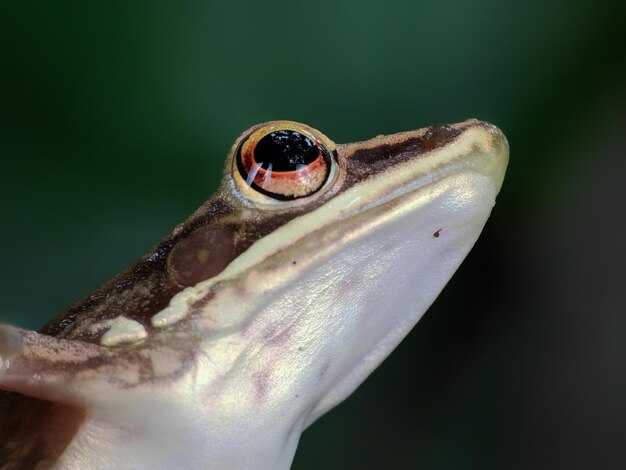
285,151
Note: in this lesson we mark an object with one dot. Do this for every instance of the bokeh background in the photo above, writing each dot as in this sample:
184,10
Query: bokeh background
115,118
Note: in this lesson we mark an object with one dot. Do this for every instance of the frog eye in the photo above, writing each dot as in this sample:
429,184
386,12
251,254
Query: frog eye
285,160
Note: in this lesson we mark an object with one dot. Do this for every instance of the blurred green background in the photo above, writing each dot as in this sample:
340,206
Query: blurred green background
115,118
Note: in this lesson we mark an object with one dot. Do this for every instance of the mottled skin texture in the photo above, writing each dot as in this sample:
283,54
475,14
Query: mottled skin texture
35,432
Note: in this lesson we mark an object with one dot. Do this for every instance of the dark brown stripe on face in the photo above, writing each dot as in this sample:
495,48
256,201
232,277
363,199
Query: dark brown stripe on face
369,161
34,433
206,243
140,291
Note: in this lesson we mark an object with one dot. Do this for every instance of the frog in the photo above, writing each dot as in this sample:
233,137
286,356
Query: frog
262,311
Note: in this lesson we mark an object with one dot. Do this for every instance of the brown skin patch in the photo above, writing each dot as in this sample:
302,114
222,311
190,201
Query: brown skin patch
34,433
261,384
201,255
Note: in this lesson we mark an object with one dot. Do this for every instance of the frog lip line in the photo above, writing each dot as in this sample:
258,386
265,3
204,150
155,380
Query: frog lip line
418,174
